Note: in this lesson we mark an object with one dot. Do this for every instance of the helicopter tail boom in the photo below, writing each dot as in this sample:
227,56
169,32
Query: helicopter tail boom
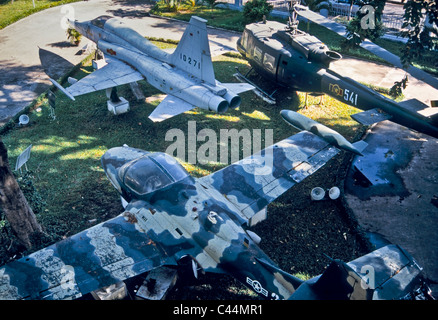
377,107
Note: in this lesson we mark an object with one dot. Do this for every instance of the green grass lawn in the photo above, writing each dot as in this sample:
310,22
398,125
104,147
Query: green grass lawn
12,11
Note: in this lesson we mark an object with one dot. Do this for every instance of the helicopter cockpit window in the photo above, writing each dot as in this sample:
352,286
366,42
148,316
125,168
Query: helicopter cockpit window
269,61
258,53
152,173
244,38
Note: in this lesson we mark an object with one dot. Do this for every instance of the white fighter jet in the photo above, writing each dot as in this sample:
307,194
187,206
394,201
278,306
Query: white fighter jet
186,75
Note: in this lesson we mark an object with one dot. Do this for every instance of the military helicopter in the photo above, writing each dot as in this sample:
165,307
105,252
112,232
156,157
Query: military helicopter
295,59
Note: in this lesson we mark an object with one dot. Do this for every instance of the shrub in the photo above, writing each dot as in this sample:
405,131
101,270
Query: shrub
254,10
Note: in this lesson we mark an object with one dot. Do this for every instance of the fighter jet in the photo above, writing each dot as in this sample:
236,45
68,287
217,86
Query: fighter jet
171,217
186,75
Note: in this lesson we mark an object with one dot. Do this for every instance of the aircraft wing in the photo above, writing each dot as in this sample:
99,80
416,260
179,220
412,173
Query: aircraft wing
371,116
114,73
102,255
254,182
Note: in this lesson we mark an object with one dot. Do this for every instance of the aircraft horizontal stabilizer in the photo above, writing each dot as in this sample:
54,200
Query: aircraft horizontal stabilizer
360,145
169,107
413,104
238,87
290,282
416,105
371,116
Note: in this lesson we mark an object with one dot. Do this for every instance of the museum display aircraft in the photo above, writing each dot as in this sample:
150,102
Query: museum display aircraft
172,220
186,75
295,59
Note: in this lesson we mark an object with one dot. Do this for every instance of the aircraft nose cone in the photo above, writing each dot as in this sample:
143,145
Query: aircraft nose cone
74,24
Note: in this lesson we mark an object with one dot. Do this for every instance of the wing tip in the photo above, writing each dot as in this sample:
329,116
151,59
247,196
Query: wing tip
57,85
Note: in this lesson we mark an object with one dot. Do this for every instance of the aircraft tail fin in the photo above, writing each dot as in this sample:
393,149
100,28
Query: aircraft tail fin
193,51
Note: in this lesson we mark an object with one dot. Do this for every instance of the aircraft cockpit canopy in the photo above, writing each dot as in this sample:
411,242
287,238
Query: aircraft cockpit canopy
100,21
151,172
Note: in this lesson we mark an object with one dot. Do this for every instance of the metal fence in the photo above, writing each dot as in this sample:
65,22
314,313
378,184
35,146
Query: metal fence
392,22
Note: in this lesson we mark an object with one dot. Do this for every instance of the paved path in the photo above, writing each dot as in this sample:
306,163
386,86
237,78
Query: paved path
37,44
370,46
36,47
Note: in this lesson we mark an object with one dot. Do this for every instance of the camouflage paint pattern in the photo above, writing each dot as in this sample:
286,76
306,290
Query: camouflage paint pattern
203,218
387,273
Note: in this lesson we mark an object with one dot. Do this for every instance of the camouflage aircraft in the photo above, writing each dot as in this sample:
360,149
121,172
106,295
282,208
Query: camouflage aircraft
171,217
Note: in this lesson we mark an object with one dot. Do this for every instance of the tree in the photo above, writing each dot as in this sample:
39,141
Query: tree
254,10
421,20
316,5
367,24
13,203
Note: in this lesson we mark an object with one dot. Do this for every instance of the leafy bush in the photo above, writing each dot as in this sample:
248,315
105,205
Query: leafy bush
356,32
254,10
74,36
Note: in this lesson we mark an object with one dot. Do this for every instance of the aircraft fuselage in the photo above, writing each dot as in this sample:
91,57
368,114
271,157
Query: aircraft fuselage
206,226
117,41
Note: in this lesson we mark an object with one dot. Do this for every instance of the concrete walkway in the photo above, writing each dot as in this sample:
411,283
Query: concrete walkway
36,47
37,44
370,46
